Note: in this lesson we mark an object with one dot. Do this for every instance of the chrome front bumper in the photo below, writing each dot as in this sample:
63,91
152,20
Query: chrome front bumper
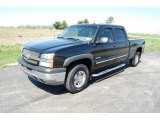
54,76
50,79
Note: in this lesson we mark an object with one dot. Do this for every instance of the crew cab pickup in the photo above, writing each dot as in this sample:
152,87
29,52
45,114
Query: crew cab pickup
80,53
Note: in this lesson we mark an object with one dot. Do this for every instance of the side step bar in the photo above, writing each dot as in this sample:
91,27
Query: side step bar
108,70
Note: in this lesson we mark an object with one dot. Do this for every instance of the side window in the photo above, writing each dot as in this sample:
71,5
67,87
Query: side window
119,34
106,32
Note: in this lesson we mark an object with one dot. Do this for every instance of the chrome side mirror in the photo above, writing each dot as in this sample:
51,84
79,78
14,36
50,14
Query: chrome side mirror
103,40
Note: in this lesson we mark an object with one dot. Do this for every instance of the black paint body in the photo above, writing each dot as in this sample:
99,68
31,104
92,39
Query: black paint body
65,48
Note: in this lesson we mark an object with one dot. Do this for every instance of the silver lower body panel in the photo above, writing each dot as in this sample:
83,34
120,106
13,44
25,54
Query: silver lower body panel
56,78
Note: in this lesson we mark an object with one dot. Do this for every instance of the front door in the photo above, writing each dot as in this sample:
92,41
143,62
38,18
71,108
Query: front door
105,53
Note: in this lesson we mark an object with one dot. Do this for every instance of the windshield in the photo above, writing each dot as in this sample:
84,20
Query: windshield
81,33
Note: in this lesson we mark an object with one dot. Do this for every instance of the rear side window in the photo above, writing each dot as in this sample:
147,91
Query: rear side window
119,34
106,32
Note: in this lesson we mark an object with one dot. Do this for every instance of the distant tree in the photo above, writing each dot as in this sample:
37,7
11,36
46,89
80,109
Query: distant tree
83,21
80,22
86,20
57,25
60,25
64,25
110,20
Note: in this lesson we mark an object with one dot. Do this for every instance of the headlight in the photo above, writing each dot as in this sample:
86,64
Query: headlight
47,56
46,60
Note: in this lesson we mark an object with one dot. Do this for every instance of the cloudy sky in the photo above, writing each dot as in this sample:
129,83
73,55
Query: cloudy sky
135,19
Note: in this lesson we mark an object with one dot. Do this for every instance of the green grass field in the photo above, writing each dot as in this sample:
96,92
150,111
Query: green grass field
9,54
10,43
152,42
11,40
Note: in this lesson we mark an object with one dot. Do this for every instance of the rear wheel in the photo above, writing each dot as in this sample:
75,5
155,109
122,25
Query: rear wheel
135,60
77,78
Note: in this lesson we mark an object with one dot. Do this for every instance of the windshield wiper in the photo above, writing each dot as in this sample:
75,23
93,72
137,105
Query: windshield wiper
73,39
61,37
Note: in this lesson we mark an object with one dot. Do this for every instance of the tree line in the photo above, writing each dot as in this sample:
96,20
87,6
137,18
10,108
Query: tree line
63,25
28,26
59,25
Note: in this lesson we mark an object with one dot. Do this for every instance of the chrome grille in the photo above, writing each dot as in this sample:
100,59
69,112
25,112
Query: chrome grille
28,54
30,61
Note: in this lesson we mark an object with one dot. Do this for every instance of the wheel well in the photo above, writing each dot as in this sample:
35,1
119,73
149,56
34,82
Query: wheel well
85,61
139,49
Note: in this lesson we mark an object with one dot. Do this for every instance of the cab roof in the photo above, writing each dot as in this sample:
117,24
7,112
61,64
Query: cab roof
100,25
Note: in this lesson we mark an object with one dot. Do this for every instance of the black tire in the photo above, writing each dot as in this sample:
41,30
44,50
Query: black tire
133,61
70,83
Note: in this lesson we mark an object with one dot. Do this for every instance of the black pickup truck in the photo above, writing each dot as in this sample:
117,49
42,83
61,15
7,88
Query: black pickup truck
80,53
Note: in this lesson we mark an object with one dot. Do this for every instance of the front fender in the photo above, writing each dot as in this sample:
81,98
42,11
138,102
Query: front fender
79,57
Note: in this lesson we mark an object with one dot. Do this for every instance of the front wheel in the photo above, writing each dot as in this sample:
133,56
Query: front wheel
135,60
77,78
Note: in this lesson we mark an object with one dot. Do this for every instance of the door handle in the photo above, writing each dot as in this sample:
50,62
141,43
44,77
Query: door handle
114,46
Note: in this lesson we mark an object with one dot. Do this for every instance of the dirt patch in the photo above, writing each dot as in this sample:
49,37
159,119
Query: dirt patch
11,36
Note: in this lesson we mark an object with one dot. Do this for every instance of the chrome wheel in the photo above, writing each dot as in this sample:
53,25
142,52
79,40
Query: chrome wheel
136,59
79,79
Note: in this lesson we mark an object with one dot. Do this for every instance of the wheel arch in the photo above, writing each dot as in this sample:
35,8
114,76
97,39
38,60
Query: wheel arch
80,58
139,49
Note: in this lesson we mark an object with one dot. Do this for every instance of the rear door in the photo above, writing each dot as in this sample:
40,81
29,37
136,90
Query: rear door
121,44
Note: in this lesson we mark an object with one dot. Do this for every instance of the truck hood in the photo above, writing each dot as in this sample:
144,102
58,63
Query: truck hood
44,45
